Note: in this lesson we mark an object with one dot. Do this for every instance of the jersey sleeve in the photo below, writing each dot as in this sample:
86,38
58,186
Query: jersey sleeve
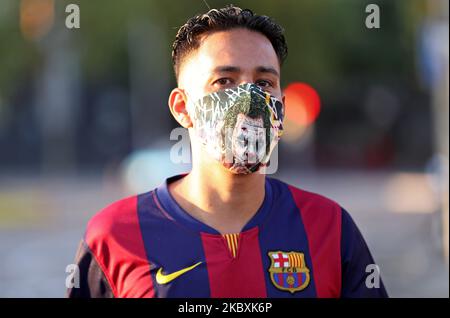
92,280
360,275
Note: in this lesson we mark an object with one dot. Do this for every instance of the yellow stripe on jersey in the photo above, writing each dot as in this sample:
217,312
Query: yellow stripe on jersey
232,242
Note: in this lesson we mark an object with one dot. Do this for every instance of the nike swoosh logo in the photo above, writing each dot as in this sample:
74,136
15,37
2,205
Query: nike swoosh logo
164,279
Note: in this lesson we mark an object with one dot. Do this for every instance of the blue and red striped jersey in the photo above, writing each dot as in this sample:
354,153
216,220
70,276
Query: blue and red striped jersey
298,244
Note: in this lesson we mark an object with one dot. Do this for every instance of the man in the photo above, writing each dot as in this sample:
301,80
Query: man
225,229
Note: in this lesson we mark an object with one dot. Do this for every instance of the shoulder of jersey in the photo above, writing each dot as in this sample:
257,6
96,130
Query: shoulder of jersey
285,191
114,217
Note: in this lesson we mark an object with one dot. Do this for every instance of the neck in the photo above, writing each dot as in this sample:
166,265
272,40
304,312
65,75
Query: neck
219,187
218,198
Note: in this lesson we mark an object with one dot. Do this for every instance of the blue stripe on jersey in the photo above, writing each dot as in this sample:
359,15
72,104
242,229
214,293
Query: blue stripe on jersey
172,246
284,230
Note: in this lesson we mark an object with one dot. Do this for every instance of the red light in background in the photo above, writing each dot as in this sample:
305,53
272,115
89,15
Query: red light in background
302,103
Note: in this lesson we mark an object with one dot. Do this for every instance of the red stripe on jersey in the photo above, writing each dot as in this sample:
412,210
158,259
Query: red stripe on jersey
240,277
281,280
114,237
322,221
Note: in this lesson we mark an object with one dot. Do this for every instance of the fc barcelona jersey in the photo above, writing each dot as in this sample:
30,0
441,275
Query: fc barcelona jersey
298,244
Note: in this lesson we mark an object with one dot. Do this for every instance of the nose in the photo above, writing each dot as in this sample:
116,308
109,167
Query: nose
246,78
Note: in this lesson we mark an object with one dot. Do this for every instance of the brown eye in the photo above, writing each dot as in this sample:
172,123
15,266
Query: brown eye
263,84
223,81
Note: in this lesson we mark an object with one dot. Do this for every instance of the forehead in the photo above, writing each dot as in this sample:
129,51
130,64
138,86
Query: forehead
239,47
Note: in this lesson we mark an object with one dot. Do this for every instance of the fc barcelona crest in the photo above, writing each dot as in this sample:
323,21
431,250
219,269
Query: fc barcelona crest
288,271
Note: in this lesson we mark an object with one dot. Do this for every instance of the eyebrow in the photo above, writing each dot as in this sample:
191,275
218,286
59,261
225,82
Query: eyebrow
227,69
263,69
236,69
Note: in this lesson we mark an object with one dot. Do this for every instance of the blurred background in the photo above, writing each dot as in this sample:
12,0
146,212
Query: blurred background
84,121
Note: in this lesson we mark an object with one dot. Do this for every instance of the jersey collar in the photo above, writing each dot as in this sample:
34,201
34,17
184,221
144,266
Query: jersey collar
174,210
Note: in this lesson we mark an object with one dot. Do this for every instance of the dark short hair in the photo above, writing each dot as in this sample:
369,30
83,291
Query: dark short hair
229,17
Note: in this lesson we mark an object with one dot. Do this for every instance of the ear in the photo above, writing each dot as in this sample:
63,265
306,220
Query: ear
177,106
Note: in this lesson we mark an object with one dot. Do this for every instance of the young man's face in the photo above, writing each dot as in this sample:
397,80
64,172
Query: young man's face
226,59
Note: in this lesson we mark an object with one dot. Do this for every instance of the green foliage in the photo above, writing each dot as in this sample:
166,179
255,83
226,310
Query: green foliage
327,39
